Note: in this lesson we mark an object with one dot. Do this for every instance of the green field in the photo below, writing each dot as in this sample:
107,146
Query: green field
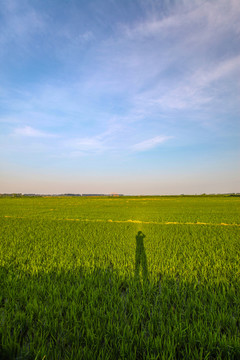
120,278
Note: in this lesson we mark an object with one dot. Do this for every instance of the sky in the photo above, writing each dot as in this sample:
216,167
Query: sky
132,96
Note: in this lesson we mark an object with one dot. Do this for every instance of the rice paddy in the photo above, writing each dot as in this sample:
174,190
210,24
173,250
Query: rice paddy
120,278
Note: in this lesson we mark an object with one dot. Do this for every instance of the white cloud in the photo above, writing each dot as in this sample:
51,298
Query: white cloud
89,144
224,68
194,90
208,15
95,144
31,132
150,143
171,61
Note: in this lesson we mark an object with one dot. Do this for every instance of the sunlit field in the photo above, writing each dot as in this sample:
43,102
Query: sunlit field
120,278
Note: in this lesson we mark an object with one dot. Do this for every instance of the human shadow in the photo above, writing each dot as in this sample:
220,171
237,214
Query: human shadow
141,258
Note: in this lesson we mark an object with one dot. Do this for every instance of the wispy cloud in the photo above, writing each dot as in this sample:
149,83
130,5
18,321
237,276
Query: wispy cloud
88,144
150,143
195,90
96,144
180,15
28,131
195,34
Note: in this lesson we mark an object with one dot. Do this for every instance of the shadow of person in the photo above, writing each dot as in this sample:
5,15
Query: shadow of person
141,258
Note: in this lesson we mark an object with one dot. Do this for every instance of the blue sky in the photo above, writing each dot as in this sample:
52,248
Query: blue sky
135,97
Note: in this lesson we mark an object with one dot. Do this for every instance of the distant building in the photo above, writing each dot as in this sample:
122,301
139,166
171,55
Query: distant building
94,195
71,195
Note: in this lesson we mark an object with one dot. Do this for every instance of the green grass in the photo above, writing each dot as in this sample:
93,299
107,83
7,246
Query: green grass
72,289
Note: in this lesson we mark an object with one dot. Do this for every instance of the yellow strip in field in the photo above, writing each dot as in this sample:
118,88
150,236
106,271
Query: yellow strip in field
134,221
150,222
15,217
